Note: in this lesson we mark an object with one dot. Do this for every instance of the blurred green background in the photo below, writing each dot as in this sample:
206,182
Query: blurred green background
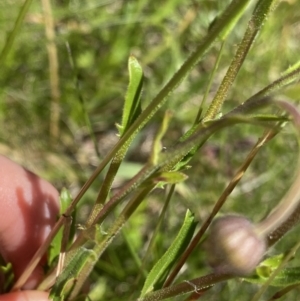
49,135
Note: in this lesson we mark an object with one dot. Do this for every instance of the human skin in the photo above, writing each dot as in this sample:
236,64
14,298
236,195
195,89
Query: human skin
29,207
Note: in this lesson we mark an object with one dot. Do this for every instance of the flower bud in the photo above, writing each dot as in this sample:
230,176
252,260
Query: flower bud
233,246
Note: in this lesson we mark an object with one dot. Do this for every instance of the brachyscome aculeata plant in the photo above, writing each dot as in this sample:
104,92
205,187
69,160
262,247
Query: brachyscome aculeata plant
166,168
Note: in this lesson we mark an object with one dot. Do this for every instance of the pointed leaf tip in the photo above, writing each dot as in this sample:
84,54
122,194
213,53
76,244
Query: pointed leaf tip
132,105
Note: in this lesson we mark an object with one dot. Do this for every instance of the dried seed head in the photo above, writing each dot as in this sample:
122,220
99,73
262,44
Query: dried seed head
233,246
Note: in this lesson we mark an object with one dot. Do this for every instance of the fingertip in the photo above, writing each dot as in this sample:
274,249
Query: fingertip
25,296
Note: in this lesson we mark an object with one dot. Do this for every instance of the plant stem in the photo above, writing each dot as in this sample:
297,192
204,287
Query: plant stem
232,184
86,117
101,246
233,10
53,70
169,159
17,26
209,83
287,258
256,22
263,97
186,287
289,202
230,13
279,232
284,291
157,228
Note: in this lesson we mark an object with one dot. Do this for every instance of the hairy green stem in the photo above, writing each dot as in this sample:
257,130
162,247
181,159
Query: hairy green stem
101,246
186,287
105,188
262,97
256,22
210,81
53,70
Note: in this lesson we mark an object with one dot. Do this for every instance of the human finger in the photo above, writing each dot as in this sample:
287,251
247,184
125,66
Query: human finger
29,207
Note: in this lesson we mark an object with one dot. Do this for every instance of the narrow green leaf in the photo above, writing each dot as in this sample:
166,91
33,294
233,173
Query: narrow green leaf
171,177
65,200
228,28
266,267
160,270
157,148
286,277
270,117
16,29
63,285
132,106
